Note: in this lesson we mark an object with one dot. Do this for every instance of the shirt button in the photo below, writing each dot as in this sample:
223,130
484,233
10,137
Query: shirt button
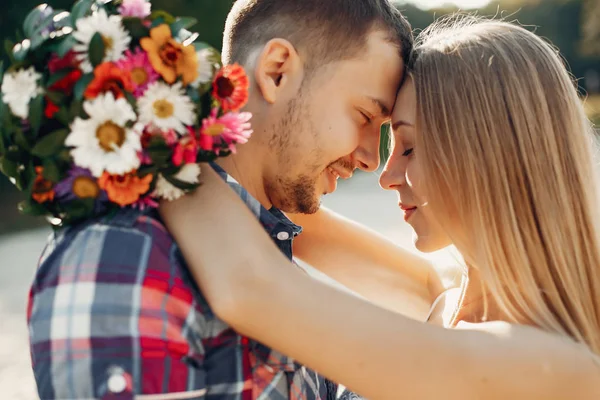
117,383
283,235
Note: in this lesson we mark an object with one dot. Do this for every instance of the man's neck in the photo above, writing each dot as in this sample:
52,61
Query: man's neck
245,169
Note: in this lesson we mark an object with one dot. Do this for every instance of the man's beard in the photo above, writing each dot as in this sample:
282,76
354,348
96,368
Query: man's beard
297,195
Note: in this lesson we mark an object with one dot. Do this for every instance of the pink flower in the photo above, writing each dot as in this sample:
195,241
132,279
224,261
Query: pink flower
186,150
141,71
135,8
230,129
170,137
144,203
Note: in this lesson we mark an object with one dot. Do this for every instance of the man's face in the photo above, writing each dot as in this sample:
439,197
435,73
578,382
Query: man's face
331,126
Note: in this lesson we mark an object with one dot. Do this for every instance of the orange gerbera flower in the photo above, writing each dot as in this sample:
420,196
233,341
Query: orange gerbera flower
124,189
170,58
230,87
109,78
43,190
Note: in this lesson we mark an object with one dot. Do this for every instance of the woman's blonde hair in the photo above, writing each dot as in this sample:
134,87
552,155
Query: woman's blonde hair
508,152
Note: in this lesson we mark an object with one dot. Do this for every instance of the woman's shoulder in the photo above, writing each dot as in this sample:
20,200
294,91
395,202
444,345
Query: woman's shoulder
529,360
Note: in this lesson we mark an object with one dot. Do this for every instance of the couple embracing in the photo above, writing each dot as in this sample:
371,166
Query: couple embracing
491,152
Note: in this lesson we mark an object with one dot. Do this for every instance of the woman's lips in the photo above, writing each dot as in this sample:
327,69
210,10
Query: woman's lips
408,211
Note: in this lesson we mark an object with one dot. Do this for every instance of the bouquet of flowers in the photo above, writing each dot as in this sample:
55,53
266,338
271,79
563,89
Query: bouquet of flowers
113,105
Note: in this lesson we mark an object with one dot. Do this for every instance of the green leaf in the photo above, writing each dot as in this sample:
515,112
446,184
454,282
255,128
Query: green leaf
21,50
182,23
56,97
79,209
8,48
186,186
51,171
21,140
50,144
36,112
136,28
81,86
64,156
30,23
97,49
76,110
147,169
162,16
81,9
65,46
9,168
62,116
2,145
2,108
32,207
131,100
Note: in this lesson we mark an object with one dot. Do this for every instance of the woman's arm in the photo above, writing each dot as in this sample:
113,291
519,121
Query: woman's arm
368,263
375,352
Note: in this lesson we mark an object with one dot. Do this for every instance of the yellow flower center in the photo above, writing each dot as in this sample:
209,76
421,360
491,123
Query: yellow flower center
139,76
214,130
85,188
108,43
110,135
163,109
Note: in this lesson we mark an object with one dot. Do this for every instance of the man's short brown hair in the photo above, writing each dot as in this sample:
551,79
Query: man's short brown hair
326,30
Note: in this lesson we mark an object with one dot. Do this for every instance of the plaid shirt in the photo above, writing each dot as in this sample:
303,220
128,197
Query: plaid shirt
115,314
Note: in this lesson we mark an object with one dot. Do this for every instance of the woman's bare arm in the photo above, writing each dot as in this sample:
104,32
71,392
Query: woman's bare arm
368,263
373,351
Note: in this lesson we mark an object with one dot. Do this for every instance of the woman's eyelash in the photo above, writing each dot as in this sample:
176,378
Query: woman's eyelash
407,153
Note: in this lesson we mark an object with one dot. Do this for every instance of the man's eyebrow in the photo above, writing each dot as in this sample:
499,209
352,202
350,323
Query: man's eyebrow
383,109
400,123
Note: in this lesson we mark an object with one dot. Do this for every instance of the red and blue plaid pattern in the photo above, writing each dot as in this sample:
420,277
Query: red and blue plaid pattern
115,314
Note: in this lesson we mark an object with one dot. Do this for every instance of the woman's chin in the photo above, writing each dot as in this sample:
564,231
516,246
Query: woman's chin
427,244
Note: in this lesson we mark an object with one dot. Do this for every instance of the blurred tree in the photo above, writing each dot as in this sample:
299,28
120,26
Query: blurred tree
591,28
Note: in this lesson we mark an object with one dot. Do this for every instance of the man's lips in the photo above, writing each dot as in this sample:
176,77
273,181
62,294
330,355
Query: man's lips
339,172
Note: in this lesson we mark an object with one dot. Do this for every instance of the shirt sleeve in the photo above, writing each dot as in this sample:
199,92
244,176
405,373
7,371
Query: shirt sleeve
109,317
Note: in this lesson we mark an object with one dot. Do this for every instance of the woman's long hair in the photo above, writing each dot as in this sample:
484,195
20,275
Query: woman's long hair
508,152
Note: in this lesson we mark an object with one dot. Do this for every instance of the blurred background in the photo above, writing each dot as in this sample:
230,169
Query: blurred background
571,25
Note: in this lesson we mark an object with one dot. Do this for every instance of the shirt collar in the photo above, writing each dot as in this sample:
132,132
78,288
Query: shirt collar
272,220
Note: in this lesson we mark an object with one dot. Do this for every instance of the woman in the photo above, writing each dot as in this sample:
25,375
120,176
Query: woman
492,152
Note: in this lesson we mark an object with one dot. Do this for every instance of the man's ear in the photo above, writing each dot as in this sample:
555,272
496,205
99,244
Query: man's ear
276,65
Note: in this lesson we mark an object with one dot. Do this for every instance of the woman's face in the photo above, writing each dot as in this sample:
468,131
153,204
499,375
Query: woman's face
402,173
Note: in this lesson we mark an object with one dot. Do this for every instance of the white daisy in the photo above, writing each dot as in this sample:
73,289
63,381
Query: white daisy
188,173
103,142
116,39
166,107
205,67
19,88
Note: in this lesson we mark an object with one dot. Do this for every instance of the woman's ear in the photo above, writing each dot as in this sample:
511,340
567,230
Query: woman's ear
276,65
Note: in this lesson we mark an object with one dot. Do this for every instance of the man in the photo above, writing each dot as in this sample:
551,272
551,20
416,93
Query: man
114,311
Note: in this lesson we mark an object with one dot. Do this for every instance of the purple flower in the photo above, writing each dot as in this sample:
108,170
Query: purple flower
80,184
44,12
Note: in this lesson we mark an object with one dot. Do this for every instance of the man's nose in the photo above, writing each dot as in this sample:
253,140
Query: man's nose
367,154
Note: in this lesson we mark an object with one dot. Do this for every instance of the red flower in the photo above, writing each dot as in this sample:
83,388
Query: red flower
51,109
67,83
68,61
230,87
186,149
109,78
43,190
